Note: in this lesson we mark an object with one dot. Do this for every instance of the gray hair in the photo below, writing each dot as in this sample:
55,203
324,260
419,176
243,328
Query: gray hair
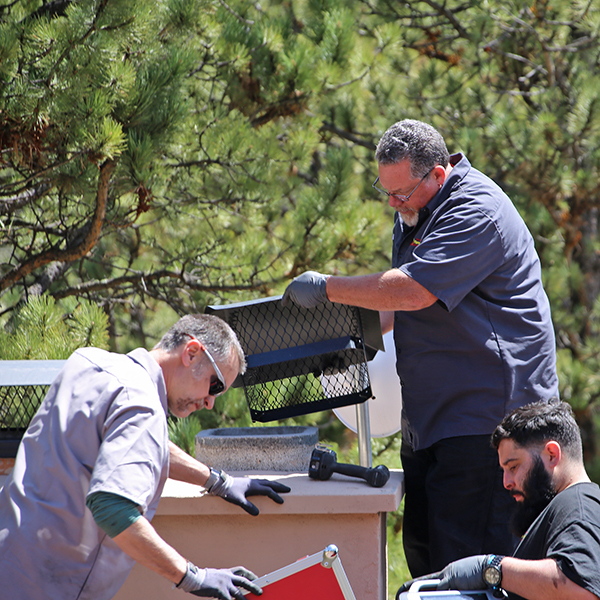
416,141
212,331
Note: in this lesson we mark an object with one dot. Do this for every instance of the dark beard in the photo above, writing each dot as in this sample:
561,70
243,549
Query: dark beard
538,491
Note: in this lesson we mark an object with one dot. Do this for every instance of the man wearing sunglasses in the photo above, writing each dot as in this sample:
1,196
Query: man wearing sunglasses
473,335
75,512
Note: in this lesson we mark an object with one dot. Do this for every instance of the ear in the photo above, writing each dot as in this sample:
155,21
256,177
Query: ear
190,351
439,175
552,452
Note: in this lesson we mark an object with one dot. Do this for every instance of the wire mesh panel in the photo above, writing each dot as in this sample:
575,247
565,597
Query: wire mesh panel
300,360
23,386
18,404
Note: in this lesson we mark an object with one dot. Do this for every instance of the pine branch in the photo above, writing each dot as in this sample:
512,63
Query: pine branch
286,107
348,136
69,254
15,202
450,16
236,15
51,273
147,281
56,8
25,182
67,51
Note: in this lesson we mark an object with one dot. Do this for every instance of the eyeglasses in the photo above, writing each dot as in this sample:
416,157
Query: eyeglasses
217,386
401,197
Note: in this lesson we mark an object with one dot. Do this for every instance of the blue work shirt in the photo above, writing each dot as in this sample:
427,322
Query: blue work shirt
487,345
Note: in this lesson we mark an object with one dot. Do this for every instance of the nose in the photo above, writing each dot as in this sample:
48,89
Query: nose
209,402
508,481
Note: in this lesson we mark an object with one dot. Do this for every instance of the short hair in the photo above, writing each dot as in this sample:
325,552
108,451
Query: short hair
212,331
540,422
416,141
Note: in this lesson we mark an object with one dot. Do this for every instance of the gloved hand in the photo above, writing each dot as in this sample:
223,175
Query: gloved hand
307,290
237,489
463,574
218,583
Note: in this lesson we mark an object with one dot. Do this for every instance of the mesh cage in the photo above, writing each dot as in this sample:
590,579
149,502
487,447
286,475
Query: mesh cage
23,386
18,405
300,360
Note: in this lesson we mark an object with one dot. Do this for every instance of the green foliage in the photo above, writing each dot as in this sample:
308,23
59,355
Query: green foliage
43,330
230,410
159,156
182,432
220,122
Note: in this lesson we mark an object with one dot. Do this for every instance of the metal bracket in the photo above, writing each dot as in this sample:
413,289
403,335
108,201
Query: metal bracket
330,555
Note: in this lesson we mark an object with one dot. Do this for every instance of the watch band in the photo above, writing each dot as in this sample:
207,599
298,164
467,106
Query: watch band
494,564
212,479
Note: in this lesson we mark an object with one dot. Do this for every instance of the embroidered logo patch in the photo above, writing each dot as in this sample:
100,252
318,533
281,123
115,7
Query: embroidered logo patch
415,242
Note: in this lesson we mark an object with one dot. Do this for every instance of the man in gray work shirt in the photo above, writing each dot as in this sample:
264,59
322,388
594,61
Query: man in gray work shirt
76,511
473,335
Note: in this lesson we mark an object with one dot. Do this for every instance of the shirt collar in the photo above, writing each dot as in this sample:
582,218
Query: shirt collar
461,166
145,360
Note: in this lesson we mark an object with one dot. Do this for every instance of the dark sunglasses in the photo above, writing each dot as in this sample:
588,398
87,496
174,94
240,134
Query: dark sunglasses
217,384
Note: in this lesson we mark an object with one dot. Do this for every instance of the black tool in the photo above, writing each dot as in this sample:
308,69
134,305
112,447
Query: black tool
323,463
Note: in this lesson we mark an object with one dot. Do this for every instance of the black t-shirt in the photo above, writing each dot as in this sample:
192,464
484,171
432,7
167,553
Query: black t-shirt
568,530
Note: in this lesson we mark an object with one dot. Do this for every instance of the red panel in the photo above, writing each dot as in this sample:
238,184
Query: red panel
313,583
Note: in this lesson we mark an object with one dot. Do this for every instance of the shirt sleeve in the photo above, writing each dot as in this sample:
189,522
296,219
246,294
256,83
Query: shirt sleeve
133,450
577,552
112,513
461,250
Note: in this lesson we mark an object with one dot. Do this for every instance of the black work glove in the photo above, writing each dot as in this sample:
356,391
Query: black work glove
463,574
307,290
223,584
237,489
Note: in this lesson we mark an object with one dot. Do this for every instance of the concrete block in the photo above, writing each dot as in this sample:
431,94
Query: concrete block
286,449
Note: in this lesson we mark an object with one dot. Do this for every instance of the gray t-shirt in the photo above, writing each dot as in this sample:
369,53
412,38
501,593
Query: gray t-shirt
487,346
101,427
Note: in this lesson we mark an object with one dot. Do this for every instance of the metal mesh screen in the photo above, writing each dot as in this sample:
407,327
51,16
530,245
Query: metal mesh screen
23,385
18,405
299,360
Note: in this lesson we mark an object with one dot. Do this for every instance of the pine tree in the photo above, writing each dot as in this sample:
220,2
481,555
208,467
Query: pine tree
163,155
41,330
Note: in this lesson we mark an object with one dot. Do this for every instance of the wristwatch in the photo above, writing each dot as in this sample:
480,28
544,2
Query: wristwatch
212,479
492,573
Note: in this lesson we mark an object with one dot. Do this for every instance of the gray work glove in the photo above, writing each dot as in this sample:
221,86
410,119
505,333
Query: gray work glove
237,489
307,290
218,583
462,574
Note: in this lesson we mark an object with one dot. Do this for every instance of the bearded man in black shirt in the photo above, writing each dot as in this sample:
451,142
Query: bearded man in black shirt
558,513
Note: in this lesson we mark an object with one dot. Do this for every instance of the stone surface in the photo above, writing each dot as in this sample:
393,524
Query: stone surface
286,449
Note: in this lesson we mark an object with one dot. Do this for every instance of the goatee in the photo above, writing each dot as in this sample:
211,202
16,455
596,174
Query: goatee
409,219
538,491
